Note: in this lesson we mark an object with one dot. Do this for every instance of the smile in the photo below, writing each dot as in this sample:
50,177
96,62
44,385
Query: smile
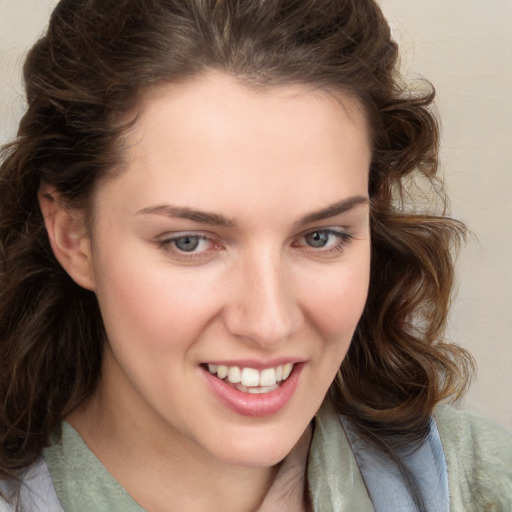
250,380
253,392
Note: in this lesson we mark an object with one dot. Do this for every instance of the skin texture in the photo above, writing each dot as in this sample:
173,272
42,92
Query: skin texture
254,289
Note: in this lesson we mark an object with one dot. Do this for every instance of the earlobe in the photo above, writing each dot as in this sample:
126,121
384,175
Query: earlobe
68,237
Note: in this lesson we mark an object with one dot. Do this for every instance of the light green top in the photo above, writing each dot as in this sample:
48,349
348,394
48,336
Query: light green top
82,483
478,456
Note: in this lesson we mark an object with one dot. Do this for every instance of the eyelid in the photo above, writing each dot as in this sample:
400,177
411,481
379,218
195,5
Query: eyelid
332,230
344,236
165,242
169,236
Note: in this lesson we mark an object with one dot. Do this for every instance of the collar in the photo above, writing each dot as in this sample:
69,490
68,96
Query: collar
334,481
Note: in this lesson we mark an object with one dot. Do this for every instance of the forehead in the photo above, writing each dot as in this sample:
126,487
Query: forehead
218,100
213,133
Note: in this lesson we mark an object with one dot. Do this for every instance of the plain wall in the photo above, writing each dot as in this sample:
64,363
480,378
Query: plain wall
465,48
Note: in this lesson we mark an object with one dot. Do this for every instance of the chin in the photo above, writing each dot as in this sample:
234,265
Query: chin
264,450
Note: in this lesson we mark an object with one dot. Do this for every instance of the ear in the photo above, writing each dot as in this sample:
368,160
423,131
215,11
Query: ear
68,236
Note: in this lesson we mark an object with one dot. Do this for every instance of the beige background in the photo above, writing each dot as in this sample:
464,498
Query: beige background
465,48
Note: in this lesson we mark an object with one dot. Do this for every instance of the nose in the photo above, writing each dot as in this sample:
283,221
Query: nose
262,306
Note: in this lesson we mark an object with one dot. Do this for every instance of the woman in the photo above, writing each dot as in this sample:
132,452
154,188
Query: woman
213,296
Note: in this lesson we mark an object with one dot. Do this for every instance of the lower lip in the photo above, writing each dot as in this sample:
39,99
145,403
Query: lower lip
259,405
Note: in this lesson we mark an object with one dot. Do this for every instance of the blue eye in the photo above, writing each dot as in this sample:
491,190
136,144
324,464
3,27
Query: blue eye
187,243
324,242
317,239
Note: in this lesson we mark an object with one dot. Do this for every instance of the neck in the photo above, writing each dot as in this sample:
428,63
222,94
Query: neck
158,468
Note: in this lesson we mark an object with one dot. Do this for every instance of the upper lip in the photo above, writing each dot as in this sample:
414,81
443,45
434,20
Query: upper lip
256,364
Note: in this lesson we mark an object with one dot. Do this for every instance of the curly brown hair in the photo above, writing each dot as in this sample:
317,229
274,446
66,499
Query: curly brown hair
90,69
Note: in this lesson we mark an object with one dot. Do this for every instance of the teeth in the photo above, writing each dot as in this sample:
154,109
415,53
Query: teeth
268,377
287,369
234,375
251,380
222,371
262,389
256,391
250,377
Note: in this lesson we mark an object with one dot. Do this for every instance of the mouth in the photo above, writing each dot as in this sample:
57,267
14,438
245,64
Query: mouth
251,380
253,392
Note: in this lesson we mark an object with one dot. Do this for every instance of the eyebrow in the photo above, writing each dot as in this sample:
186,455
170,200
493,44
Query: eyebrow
202,217
334,209
214,219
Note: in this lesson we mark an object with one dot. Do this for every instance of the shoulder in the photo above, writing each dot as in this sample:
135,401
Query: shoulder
475,440
478,456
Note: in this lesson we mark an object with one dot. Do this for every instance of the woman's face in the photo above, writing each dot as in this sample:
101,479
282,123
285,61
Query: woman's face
235,241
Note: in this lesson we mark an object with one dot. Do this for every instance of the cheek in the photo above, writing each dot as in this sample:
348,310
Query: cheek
148,303
334,312
336,301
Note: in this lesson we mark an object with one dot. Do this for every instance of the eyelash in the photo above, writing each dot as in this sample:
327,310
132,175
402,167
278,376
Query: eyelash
168,244
343,240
